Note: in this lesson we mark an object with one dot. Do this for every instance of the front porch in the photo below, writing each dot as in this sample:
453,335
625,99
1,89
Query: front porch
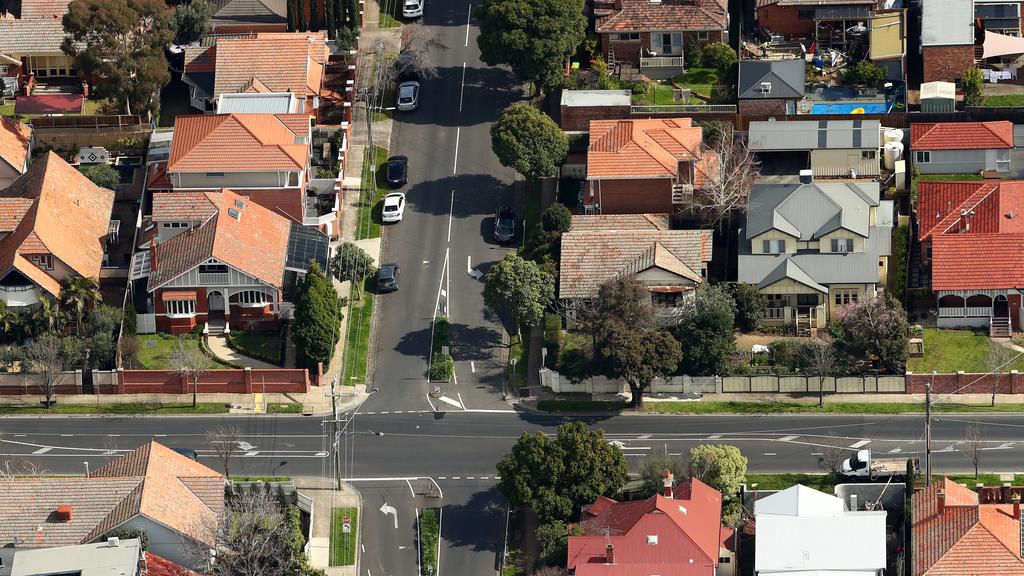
996,310
801,311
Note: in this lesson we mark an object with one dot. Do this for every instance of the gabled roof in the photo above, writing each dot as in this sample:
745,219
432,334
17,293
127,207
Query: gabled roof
590,258
687,531
809,211
255,243
240,143
799,500
786,78
788,269
967,538
644,148
961,135
15,140
670,15
68,217
581,222
249,12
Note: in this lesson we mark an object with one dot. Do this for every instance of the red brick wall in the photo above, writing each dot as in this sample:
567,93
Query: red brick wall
577,118
763,106
632,196
277,380
630,50
947,63
179,325
966,383
785,20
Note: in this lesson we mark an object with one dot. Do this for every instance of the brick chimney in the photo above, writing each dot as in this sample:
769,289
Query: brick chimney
941,495
1016,507
64,513
1006,493
609,554
666,485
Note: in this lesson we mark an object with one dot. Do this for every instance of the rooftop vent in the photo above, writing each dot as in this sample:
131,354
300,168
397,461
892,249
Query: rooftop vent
234,214
1011,214
652,539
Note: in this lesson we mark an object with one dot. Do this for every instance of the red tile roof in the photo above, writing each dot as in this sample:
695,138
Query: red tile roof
15,138
961,135
967,539
280,61
667,15
156,177
68,218
183,206
644,148
157,566
688,531
977,262
256,243
240,143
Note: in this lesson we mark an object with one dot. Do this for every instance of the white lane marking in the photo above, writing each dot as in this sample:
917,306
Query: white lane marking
469,13
113,434
448,400
635,448
817,453
425,262
470,477
486,411
67,435
451,212
459,394
455,167
456,477
455,378
19,435
859,444
462,90
442,477
321,454
432,407
788,438
43,450
896,450
714,437
475,274
472,367
769,453
413,492
644,436
398,411
250,454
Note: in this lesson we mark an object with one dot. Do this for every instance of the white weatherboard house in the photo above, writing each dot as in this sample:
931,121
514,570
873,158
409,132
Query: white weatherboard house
803,532
835,148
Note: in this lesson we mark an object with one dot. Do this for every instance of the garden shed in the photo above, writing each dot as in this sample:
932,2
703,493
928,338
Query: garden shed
938,97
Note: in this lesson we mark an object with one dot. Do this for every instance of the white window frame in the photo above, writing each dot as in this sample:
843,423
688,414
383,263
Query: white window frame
43,261
253,299
923,156
180,308
842,245
703,35
845,296
773,246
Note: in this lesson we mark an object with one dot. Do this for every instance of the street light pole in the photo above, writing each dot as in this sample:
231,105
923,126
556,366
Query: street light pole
337,435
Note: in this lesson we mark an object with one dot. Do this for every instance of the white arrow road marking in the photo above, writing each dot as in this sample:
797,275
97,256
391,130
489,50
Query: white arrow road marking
321,454
448,400
788,438
243,445
617,443
43,450
390,510
859,444
714,437
643,436
896,450
250,454
476,274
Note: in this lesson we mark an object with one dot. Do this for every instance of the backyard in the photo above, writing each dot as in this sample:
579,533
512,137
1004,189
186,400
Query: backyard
155,351
953,350
700,80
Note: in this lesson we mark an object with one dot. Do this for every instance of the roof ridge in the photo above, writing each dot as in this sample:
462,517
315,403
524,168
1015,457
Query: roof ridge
192,492
954,214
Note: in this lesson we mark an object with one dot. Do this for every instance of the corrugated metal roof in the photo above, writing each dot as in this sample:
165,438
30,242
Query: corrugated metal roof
947,23
814,135
572,98
938,90
811,209
265,103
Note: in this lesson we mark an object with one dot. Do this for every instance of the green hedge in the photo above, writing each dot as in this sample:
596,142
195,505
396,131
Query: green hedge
901,260
430,533
552,338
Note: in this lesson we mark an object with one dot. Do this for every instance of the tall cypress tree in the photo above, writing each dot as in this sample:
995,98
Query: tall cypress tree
303,23
329,17
291,15
317,323
314,16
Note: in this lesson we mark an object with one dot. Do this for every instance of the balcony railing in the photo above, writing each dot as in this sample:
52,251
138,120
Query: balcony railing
774,313
965,312
661,62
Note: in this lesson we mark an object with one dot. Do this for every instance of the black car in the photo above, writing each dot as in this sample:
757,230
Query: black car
505,224
387,278
398,171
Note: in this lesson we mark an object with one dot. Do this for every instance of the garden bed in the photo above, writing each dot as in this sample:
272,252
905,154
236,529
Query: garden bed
261,345
155,351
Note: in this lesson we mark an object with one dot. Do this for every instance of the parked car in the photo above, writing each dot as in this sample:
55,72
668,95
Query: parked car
408,95
387,278
394,207
505,225
397,171
413,8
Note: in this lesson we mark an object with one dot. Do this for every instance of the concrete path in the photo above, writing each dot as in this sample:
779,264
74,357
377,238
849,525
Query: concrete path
219,346
325,500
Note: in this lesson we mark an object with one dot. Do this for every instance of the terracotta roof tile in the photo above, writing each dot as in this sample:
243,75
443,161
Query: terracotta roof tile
12,210
977,261
282,62
669,15
240,143
157,566
581,222
39,9
961,135
643,148
15,140
179,206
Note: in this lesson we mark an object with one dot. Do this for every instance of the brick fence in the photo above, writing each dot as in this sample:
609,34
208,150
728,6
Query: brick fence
243,381
964,383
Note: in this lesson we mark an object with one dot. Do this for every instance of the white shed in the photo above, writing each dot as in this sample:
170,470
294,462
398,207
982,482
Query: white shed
938,97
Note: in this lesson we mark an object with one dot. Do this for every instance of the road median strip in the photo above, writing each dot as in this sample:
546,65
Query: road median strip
429,540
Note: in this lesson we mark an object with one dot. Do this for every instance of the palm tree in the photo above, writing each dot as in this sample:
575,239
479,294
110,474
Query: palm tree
81,293
45,318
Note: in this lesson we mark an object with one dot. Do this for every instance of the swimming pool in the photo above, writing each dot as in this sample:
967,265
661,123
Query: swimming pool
849,107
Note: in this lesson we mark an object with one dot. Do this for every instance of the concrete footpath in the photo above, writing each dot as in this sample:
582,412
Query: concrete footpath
325,499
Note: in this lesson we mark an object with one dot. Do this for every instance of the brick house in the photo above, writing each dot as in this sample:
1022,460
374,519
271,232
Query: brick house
804,18
770,86
676,532
972,237
962,147
15,150
265,62
947,39
262,156
53,224
652,34
645,166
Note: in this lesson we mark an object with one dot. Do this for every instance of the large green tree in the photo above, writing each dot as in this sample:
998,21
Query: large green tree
876,329
519,288
317,323
80,294
705,330
556,476
529,141
722,467
639,357
351,263
120,44
534,37
191,21
103,175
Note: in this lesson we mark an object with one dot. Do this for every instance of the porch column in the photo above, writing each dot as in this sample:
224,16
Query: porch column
277,303
787,314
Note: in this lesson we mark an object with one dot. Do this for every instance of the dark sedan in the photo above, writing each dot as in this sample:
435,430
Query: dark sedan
397,171
387,278
505,225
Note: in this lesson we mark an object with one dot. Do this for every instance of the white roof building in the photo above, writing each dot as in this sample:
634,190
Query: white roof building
947,23
804,532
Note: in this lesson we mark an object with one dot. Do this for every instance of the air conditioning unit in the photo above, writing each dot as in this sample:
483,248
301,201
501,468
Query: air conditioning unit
806,176
766,87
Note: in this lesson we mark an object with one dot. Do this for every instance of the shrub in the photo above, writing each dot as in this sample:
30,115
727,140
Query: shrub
972,83
865,72
750,306
102,175
719,55
441,367
556,218
694,53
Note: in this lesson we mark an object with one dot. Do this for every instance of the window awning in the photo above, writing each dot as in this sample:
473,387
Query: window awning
178,295
667,289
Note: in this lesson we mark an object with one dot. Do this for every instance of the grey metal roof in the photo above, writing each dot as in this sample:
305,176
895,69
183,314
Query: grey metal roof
808,211
97,559
947,23
250,11
789,269
822,268
572,98
814,135
786,77
259,103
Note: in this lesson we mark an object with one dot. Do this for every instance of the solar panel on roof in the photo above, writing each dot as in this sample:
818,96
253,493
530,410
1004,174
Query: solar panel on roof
306,244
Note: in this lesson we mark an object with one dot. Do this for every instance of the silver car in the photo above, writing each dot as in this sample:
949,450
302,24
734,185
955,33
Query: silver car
408,96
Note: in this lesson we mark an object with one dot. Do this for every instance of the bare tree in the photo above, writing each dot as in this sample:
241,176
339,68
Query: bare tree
972,445
415,57
998,360
46,356
832,454
129,349
223,440
822,363
731,170
190,362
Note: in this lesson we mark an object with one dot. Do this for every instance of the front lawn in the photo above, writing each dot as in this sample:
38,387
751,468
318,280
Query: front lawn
823,482
701,80
658,93
257,344
343,544
155,351
1004,101
953,350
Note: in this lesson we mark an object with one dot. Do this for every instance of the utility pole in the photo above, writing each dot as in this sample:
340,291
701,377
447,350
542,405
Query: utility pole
928,431
334,434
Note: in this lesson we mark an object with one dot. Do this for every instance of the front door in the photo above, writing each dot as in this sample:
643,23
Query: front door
215,302
1001,308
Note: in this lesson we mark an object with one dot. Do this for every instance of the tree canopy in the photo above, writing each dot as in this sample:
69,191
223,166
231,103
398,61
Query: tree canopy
191,21
529,141
973,82
317,323
120,45
876,329
722,467
557,218
705,331
534,37
102,175
351,263
639,357
519,288
556,476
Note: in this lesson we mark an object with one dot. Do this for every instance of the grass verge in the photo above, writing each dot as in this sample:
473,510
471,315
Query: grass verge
769,407
130,408
521,354
430,533
155,351
370,196
284,408
343,544
953,350
357,340
822,482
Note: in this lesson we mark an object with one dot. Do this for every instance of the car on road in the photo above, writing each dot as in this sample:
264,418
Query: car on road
387,278
413,8
408,95
397,171
394,207
505,225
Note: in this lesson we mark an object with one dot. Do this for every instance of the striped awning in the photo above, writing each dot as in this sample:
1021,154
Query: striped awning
178,295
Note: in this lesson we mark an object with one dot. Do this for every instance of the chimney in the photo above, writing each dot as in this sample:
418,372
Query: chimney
1006,493
941,495
666,484
609,554
64,513
39,535
1016,507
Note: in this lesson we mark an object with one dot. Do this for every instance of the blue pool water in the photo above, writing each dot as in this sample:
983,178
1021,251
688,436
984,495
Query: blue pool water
847,108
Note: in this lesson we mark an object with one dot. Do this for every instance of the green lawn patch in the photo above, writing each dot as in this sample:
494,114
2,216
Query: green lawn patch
521,354
257,344
948,177
155,351
387,21
291,408
823,482
701,80
370,199
430,534
130,408
357,343
7,108
953,350
1004,101
658,93
343,544
573,406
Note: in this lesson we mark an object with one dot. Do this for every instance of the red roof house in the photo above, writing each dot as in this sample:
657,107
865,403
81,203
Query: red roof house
15,149
645,166
972,236
962,147
955,535
652,35
679,533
